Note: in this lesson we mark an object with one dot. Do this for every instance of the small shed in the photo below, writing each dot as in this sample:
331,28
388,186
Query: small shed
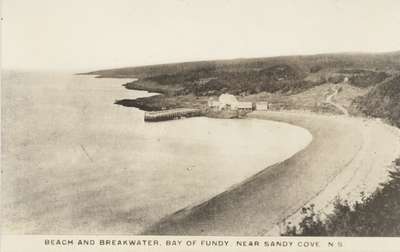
262,106
245,106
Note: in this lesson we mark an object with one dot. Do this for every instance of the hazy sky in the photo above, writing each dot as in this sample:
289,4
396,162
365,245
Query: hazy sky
91,34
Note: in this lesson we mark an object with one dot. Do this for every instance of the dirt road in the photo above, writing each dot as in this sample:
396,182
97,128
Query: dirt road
337,105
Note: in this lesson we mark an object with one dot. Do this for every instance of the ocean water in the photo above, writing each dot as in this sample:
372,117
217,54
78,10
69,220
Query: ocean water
75,163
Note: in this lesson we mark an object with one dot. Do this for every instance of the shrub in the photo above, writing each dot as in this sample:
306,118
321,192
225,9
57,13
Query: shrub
375,215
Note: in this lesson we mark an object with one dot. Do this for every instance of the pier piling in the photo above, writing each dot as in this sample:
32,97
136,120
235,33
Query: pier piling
165,115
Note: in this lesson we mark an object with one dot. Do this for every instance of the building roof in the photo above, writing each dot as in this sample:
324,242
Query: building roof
227,99
245,105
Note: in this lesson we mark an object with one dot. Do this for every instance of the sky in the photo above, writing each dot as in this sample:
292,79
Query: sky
98,34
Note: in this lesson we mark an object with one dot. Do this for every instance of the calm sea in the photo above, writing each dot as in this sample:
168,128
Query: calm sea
75,163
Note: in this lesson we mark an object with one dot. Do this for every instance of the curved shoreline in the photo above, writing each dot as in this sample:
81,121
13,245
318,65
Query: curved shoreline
337,161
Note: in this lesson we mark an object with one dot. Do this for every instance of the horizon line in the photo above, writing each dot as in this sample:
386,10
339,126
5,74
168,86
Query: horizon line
90,69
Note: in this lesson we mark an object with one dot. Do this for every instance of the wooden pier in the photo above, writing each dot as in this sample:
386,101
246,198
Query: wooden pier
171,114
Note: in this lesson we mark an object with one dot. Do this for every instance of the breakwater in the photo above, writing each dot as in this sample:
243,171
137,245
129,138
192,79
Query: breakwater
171,114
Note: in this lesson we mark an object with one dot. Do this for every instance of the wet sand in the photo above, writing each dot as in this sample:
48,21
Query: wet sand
347,156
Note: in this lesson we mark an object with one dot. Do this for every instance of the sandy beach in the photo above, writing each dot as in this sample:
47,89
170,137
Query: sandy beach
346,157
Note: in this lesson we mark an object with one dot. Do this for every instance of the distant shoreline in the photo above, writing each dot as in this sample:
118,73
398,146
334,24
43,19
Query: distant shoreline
164,98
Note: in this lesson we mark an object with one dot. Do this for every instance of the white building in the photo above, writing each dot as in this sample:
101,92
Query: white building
229,102
262,106
245,106
225,101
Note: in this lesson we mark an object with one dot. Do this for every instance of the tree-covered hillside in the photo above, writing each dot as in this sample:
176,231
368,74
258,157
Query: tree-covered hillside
190,83
382,101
